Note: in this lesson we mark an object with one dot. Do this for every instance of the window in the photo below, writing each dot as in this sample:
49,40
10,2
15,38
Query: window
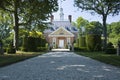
54,40
68,40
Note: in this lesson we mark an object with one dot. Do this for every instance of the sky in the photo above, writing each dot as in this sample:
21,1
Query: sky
69,9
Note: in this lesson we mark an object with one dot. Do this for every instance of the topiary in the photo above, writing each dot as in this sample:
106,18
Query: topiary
93,42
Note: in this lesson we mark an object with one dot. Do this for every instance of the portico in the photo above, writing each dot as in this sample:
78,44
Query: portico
61,38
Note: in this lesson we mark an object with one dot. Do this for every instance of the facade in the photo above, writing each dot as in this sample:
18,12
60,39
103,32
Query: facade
61,34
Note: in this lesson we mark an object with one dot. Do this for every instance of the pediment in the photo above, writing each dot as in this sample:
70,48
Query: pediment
61,31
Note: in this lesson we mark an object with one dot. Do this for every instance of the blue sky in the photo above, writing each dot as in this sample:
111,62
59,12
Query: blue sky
69,9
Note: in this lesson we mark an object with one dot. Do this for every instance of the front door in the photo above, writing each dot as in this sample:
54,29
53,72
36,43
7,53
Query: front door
61,43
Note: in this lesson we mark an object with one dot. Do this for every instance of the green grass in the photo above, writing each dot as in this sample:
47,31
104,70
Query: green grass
8,59
112,59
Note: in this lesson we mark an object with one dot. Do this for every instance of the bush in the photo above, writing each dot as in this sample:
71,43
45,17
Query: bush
83,48
32,43
93,42
110,45
82,42
23,49
110,49
77,49
41,49
11,49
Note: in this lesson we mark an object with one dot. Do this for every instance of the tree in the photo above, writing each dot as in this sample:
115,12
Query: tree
81,24
94,27
5,25
28,12
101,7
114,32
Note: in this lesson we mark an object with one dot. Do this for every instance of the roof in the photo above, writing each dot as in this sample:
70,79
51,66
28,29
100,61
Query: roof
56,24
61,31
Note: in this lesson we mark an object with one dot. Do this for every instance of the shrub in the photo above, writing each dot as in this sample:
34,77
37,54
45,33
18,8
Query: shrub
110,45
23,49
31,44
83,48
93,42
110,49
82,42
11,49
77,49
41,49
24,44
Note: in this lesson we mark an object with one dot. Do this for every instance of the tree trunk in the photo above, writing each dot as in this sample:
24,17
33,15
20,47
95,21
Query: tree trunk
16,28
104,32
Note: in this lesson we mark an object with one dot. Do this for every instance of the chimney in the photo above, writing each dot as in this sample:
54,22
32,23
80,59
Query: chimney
52,18
70,18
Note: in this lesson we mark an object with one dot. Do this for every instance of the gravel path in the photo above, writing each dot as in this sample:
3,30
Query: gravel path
60,66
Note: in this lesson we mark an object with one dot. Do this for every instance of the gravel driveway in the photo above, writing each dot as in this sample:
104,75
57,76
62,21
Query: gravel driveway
60,66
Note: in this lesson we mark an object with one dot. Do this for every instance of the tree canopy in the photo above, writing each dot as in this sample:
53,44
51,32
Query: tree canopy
101,7
28,13
94,27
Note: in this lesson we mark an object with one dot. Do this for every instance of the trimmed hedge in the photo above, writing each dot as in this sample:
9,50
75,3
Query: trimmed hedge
93,42
82,42
33,44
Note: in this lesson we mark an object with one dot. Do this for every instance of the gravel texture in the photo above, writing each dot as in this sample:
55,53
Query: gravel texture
60,66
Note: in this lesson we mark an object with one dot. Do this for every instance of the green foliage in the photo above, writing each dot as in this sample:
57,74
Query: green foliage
24,44
82,42
94,27
5,27
93,42
101,7
8,59
11,49
41,49
33,44
29,13
110,49
81,23
114,32
100,56
77,49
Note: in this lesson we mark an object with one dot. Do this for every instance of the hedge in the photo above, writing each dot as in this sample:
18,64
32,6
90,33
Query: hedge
32,44
93,42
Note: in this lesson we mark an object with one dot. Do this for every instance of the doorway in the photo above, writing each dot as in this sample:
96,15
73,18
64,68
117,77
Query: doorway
61,43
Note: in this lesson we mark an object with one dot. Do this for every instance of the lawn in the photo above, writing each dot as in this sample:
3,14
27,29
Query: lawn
100,56
8,59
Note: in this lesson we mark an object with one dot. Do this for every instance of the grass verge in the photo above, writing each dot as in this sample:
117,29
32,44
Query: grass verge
100,56
8,59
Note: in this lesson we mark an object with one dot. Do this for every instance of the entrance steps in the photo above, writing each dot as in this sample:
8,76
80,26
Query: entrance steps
60,50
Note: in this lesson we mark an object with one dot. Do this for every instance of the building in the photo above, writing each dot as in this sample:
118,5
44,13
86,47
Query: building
61,34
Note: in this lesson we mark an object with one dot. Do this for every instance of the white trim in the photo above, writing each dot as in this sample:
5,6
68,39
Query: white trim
61,36
70,34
